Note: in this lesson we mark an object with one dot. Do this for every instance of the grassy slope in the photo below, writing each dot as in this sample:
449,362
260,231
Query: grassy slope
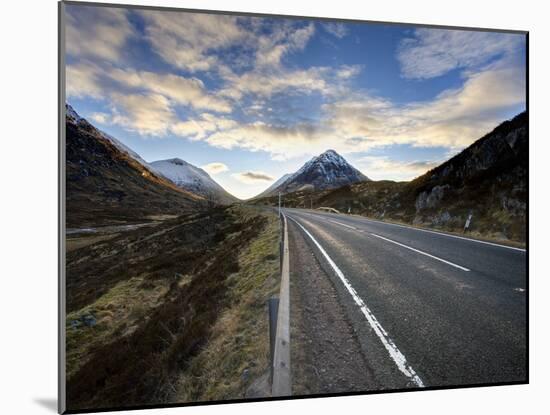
170,301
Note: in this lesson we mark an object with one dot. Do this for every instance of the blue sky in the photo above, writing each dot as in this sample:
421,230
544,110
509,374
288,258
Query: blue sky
250,99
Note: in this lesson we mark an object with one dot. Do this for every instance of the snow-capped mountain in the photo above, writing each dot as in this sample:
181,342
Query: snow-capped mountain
193,179
326,171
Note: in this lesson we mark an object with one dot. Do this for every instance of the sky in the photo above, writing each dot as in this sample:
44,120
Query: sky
249,99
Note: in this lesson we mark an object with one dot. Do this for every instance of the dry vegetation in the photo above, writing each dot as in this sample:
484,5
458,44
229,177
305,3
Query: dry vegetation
171,313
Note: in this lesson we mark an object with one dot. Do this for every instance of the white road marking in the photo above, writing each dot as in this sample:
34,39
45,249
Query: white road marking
395,354
421,252
519,289
342,224
441,233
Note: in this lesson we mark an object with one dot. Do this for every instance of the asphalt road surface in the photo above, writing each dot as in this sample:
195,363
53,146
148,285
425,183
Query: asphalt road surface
426,309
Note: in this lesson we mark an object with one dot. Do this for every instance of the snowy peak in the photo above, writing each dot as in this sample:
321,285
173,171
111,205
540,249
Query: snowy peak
332,156
328,170
193,179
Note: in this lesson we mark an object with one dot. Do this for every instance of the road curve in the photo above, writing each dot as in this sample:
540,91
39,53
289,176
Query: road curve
429,309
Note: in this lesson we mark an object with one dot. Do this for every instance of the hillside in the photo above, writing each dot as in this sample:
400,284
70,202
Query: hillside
107,183
488,179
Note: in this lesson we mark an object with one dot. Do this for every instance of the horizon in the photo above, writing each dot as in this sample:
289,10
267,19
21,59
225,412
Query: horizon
249,99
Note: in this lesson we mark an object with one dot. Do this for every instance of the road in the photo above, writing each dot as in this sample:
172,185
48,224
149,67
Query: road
425,308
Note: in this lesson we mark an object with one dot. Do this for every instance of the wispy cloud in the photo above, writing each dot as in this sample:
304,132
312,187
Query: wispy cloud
216,78
83,80
360,122
338,30
433,52
284,39
147,114
253,177
215,168
97,32
183,91
189,40
100,117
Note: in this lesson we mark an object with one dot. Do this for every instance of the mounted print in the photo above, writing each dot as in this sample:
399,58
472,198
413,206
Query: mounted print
255,207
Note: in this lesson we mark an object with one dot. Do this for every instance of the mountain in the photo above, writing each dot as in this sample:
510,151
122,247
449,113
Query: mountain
488,179
108,183
326,171
193,179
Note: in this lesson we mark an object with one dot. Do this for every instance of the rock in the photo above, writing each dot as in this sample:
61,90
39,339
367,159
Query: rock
513,206
441,218
420,202
430,199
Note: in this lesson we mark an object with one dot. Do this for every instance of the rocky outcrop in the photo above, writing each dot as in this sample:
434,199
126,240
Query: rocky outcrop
430,199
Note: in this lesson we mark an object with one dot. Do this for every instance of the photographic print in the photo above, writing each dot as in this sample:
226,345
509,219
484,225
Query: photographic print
258,206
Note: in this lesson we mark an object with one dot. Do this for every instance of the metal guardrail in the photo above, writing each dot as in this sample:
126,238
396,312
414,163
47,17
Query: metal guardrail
279,325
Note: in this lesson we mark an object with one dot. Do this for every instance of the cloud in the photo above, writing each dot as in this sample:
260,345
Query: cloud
100,117
282,40
246,63
215,168
253,177
183,91
349,71
268,83
152,114
338,30
147,114
360,122
199,127
97,32
83,79
384,168
188,40
433,52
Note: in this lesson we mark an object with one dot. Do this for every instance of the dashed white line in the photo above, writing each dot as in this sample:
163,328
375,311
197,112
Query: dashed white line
342,224
394,352
421,252
404,246
451,236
